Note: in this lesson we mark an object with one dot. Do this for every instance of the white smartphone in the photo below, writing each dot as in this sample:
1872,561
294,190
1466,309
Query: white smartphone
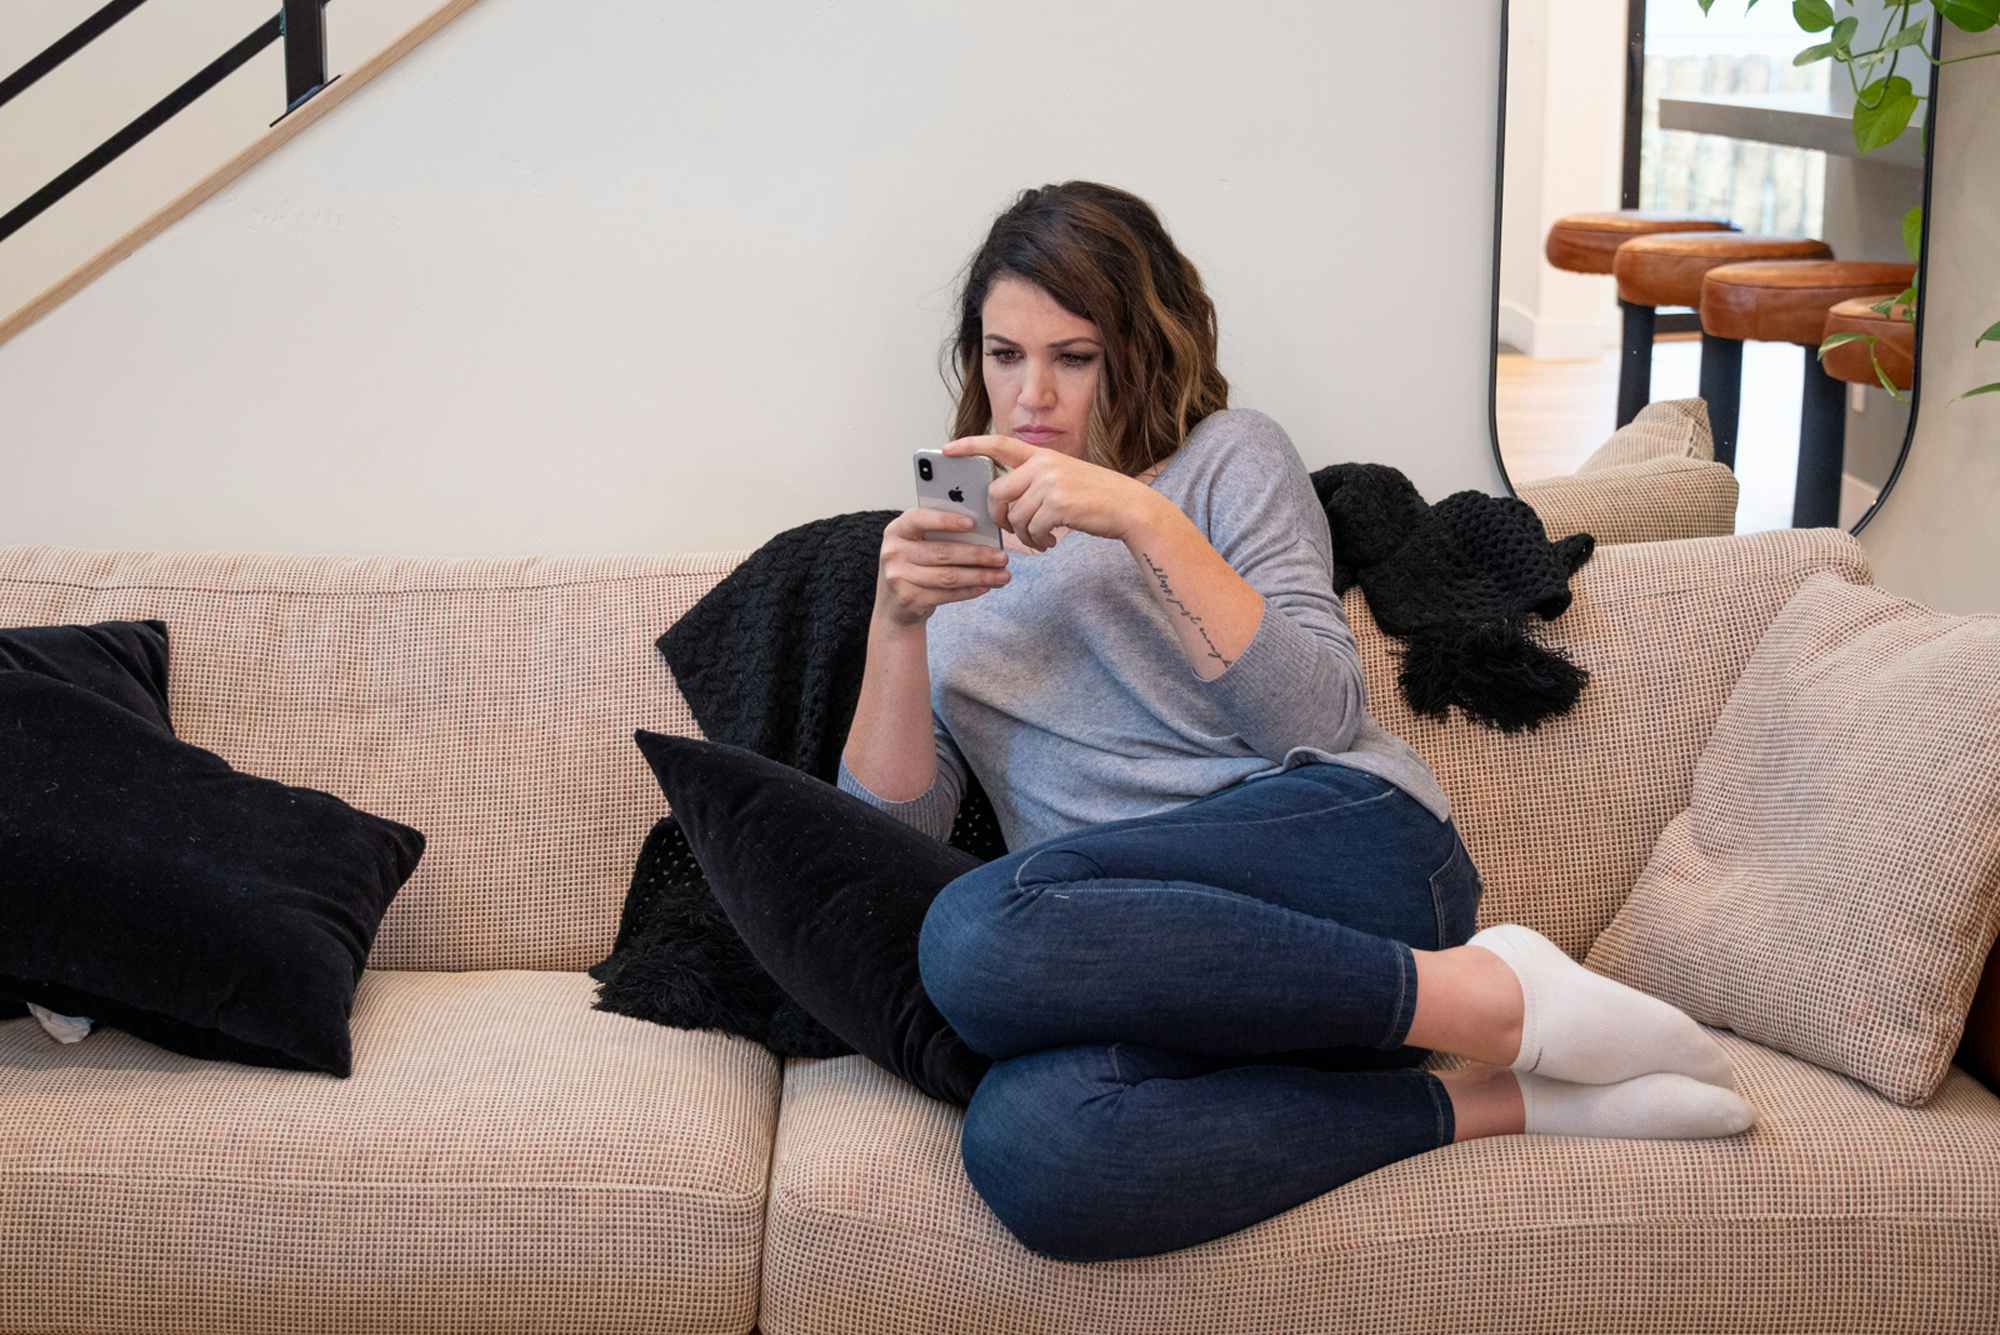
958,482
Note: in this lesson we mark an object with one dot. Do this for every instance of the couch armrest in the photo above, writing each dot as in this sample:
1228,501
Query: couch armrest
1654,501
1654,480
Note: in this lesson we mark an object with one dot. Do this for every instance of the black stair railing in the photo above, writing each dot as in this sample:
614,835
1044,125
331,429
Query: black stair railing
301,23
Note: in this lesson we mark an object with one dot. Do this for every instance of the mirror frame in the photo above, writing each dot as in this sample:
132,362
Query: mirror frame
1634,102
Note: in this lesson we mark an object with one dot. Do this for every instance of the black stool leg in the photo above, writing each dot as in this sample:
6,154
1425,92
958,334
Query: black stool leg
1722,390
1822,447
1635,362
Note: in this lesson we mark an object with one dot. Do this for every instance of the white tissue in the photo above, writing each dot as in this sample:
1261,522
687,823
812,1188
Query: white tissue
62,1028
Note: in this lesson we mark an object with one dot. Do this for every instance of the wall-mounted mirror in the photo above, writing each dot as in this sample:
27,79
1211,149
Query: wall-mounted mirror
1684,214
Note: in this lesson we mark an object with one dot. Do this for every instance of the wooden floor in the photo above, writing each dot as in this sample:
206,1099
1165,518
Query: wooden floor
1553,412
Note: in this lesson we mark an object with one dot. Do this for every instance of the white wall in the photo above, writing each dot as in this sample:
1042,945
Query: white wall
639,277
1564,154
1937,536
99,90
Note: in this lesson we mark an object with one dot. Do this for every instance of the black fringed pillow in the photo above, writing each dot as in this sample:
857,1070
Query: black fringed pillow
824,892
146,883
123,661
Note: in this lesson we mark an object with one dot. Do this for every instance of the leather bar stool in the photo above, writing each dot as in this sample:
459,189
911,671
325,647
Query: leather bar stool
1666,269
1788,302
1587,243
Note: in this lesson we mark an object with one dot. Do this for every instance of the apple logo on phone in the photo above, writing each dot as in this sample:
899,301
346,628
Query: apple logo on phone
957,494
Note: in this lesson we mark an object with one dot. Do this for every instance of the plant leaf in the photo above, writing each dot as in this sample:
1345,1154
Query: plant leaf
1704,4
1971,15
1813,15
1812,55
1842,36
1993,333
1883,376
1913,233
1911,34
1876,127
1835,340
1993,388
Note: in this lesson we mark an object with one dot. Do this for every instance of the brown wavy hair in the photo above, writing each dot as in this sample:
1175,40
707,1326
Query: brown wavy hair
1103,256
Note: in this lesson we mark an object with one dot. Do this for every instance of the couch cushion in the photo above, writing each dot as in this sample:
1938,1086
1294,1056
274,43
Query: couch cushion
1839,1210
504,1157
1560,820
488,702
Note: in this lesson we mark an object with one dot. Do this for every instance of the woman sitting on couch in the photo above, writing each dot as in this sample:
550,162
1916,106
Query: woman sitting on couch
1238,916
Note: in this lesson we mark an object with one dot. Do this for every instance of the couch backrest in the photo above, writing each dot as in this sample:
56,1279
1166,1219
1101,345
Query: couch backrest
490,703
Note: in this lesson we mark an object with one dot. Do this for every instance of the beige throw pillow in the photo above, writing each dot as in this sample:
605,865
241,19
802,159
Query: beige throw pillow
1833,888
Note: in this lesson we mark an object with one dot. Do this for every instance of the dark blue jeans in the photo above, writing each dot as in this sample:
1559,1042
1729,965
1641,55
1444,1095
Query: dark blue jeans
1198,1016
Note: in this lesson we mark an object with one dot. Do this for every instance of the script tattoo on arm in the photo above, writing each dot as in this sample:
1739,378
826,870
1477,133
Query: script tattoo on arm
1172,600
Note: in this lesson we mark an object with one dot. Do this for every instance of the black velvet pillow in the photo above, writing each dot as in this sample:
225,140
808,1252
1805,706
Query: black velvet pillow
828,894
123,661
147,884
678,961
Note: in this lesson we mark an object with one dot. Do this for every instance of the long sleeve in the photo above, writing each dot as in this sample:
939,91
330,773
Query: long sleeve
1299,681
933,810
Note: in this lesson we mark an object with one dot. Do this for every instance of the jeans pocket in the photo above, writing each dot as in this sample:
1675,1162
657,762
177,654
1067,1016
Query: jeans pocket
1455,893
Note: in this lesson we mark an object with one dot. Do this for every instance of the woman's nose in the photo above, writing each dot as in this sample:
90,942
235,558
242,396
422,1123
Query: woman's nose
1039,389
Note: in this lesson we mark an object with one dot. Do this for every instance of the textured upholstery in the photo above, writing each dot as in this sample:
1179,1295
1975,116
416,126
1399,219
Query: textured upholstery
1655,479
504,1158
1838,1211
1654,501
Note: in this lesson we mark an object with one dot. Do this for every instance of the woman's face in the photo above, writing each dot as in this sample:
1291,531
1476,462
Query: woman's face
1041,366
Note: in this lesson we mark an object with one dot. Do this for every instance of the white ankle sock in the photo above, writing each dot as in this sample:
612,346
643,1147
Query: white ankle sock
1577,1025
1664,1105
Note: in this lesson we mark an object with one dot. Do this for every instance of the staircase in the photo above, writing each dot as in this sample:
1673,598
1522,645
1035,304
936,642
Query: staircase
114,125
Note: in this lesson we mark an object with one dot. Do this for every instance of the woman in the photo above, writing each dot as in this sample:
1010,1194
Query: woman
1238,915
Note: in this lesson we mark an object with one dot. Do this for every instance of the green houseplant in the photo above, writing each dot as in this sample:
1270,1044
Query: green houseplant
1883,107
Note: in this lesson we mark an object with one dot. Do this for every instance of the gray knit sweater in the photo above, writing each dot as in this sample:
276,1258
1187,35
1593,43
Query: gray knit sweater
1067,691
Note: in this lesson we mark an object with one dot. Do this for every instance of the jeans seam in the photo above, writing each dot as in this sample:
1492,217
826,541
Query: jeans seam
1405,966
1437,901
1266,820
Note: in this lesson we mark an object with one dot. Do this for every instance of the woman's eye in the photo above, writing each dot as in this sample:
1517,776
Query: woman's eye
1008,356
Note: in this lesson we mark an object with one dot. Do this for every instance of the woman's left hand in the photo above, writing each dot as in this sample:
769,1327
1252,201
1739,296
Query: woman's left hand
1049,489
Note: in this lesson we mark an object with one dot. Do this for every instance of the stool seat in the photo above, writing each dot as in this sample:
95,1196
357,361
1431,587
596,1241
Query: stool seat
1585,242
1895,342
1666,269
1786,302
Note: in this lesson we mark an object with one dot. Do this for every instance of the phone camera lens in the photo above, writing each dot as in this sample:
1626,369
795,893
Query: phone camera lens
924,469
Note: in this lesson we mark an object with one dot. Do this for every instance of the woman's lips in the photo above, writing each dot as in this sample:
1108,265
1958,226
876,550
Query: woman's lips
1032,433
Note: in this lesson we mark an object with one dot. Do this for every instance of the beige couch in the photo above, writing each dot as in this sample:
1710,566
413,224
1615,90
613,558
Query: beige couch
506,1158
1655,479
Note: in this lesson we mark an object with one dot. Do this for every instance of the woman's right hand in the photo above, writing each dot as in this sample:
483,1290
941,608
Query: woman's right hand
915,576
